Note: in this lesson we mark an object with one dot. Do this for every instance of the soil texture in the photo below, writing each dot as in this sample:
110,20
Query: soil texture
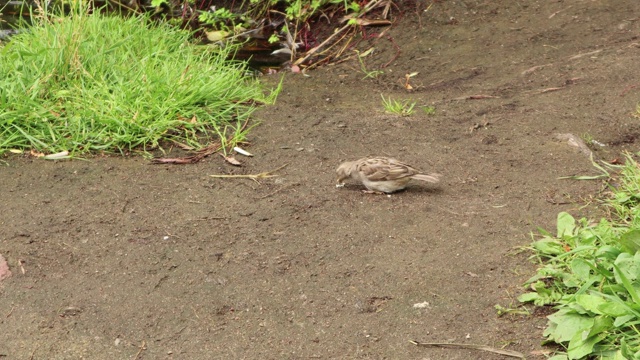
114,258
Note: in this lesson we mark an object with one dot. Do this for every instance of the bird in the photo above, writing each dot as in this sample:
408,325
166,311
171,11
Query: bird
381,174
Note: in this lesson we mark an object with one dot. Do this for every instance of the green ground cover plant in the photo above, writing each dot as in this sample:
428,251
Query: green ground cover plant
96,83
590,272
401,108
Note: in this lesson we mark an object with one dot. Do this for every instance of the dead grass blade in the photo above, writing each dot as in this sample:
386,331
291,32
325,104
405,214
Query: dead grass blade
200,154
510,353
345,29
254,177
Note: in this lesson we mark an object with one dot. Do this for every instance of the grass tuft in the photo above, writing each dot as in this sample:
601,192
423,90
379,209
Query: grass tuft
96,83
401,108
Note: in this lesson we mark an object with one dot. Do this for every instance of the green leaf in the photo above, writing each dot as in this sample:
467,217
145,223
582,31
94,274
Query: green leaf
625,349
580,347
565,325
626,283
529,297
559,357
612,309
581,268
600,325
549,246
566,225
608,252
630,241
629,265
622,320
590,302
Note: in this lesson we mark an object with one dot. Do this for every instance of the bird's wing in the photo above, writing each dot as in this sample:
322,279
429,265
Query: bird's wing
382,169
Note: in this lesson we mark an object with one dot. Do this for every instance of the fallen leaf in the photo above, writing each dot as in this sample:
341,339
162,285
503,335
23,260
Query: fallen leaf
214,36
57,156
231,160
242,151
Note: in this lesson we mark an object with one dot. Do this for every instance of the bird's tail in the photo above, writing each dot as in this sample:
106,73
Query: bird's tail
432,178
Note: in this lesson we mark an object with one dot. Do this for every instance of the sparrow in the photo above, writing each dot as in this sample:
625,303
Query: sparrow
381,174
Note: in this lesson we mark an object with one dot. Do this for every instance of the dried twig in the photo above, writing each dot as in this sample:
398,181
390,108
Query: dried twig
476,97
550,89
370,6
143,346
629,88
201,154
315,49
533,69
254,177
559,11
584,54
511,353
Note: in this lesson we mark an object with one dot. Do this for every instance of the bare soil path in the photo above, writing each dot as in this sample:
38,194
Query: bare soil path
117,259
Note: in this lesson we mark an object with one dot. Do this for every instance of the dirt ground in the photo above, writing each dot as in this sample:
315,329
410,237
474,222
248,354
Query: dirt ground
113,258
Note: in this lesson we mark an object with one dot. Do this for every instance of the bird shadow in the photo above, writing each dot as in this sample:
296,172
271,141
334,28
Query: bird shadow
411,189
417,189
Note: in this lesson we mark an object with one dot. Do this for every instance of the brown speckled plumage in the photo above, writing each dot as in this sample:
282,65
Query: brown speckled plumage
382,174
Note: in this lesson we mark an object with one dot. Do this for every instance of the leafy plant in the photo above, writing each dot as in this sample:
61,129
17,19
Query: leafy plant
159,3
220,19
591,273
402,108
301,10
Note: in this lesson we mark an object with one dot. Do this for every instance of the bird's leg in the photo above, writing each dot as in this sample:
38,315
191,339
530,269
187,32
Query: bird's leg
373,192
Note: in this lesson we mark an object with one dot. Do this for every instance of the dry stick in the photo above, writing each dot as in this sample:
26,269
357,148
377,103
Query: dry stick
338,42
367,8
313,51
337,55
142,347
254,177
550,89
535,68
200,154
370,6
511,353
476,97
584,54
629,88
559,11
344,47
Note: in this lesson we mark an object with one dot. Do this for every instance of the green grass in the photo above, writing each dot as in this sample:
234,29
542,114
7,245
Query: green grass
402,108
94,83
429,110
373,74
590,272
